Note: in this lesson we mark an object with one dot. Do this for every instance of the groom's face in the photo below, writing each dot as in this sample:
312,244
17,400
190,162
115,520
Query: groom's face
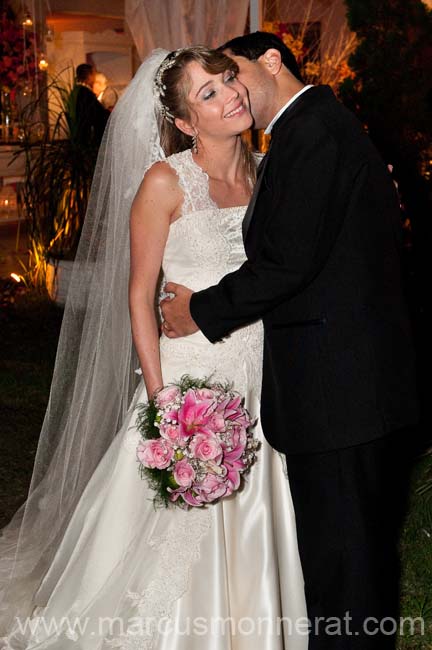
255,76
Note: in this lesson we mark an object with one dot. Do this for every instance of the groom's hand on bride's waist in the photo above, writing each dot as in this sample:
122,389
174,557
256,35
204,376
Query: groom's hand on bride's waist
177,319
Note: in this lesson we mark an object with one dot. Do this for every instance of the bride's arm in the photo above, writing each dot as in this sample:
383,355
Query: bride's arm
156,204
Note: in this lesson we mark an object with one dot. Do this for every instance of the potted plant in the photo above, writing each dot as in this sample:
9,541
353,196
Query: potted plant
59,170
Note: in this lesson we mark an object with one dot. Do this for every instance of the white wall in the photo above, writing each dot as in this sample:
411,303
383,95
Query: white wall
110,51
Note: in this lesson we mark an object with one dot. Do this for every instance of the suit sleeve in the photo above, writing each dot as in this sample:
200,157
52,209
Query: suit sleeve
297,237
99,118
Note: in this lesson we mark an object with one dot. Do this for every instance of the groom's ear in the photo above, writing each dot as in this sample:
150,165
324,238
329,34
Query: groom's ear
272,61
184,126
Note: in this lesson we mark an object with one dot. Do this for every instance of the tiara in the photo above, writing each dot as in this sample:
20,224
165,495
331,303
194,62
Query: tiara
159,87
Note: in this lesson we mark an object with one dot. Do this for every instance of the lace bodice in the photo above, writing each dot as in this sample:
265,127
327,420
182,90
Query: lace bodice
203,245
193,181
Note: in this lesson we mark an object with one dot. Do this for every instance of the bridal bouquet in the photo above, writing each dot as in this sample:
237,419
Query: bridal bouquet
196,442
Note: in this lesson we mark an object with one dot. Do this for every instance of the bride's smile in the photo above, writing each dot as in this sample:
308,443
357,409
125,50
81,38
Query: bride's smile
219,103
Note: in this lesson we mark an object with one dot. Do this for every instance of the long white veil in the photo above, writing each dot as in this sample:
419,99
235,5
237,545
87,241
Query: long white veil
94,377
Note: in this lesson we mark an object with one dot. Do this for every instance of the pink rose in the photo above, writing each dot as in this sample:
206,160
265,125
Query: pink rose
184,473
155,453
213,487
167,395
217,422
237,438
171,433
206,447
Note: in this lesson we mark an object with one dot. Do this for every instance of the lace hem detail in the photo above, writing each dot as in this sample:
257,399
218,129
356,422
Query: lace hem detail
156,603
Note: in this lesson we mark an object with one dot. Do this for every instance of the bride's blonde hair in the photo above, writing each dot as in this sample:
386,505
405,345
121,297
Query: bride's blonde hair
176,84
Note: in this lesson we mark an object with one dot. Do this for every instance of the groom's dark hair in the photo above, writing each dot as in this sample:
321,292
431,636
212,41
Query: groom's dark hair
252,46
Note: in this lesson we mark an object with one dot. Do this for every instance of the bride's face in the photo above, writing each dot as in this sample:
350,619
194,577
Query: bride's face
219,104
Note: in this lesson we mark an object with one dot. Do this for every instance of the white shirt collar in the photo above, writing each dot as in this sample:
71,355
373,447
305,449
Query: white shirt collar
283,109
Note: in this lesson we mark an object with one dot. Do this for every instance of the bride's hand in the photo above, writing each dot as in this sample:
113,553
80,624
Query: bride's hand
177,317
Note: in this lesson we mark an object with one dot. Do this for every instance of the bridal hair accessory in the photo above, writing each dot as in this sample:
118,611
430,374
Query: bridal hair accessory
196,442
159,87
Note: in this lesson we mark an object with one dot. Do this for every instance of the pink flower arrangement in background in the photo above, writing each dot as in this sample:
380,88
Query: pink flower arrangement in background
18,65
196,442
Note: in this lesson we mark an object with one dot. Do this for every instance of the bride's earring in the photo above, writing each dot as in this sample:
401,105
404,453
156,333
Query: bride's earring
195,143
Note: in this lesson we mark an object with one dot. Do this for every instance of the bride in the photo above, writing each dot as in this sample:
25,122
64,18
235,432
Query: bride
88,562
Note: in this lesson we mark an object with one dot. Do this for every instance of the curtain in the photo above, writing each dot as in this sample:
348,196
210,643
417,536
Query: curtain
179,23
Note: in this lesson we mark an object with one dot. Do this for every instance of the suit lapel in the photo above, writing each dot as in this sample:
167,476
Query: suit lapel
249,212
315,94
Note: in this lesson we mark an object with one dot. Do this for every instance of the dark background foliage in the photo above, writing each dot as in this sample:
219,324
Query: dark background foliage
391,93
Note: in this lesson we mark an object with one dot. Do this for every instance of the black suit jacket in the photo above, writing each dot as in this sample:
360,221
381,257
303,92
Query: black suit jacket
323,272
91,116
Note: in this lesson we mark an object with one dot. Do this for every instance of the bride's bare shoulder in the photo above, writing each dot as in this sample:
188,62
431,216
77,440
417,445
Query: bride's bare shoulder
160,181
161,175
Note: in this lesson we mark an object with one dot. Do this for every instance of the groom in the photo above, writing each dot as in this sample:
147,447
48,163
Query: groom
322,235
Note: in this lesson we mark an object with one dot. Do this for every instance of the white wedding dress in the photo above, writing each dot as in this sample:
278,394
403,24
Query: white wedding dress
127,575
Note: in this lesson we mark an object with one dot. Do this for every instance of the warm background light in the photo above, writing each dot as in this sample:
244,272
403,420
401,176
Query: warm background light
27,22
43,64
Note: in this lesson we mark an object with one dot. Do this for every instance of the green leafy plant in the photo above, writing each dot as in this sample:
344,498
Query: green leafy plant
59,166
425,487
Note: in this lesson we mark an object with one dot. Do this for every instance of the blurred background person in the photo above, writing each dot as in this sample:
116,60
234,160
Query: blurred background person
106,94
91,115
